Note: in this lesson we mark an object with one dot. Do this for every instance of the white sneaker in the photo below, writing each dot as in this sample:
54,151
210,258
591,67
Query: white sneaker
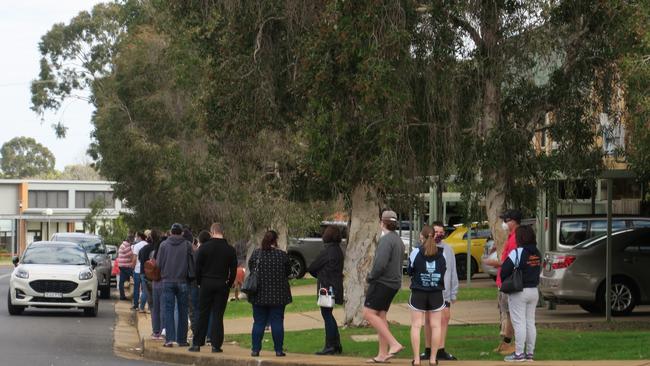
163,333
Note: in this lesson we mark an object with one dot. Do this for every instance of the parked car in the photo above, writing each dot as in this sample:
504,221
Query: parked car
489,253
572,230
96,250
53,274
112,249
457,240
302,251
577,276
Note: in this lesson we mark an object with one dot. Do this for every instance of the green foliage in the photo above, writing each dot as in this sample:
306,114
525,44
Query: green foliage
114,231
23,157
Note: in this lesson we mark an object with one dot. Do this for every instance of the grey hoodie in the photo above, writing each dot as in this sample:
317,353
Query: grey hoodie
173,259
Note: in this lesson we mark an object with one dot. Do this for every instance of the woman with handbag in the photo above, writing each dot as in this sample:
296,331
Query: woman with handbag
521,271
272,292
328,269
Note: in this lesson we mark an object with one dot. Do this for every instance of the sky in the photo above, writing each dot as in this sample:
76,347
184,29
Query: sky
22,23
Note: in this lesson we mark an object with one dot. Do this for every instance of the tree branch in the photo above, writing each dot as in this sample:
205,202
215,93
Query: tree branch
467,27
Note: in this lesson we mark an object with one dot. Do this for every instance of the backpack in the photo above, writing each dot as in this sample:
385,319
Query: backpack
151,269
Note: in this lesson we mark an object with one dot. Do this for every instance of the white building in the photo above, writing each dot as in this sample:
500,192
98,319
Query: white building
32,210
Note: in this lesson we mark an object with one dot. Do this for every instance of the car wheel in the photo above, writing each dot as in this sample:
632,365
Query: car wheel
105,292
13,309
297,267
92,312
623,298
461,267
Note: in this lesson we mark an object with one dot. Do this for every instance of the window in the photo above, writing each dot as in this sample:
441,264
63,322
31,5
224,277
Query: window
613,135
573,232
48,199
599,227
640,223
83,199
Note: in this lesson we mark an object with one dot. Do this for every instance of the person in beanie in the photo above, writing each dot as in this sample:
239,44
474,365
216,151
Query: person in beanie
173,259
328,269
384,281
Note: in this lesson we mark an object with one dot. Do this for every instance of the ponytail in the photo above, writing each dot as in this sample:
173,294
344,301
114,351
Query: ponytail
430,247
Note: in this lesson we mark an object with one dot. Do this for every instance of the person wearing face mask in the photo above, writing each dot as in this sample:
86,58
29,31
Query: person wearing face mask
511,221
449,293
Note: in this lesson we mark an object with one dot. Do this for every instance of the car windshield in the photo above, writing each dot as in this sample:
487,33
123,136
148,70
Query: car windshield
92,245
55,254
596,240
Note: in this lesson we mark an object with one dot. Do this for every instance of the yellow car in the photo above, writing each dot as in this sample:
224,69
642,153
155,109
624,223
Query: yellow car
457,240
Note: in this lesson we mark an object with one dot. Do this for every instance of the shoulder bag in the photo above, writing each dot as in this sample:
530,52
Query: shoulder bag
515,282
325,296
249,287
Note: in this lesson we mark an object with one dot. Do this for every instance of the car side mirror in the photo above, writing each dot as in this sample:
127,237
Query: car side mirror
111,251
15,261
93,263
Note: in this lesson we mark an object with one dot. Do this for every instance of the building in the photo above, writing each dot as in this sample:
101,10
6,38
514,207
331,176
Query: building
32,210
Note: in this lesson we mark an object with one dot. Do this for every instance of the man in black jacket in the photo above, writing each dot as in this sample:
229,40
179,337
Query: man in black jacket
216,268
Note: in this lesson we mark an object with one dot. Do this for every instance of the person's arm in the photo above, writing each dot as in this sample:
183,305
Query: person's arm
134,257
414,253
232,273
318,263
453,273
198,268
161,260
382,256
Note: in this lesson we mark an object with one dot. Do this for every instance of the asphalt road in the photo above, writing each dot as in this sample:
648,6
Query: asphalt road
57,337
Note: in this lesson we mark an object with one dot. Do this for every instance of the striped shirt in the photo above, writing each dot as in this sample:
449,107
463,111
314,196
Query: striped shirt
125,255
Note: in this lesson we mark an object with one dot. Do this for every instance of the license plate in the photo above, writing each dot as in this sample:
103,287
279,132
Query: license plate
56,295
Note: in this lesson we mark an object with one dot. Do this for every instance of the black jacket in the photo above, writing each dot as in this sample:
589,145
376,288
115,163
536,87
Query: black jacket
530,265
427,273
273,277
216,260
144,254
328,269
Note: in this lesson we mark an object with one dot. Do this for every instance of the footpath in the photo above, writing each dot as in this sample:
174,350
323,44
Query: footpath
134,329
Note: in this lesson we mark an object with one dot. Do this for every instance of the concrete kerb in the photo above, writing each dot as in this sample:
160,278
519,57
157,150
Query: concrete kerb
133,330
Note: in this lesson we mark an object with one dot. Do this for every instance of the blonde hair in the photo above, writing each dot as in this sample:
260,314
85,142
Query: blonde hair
429,245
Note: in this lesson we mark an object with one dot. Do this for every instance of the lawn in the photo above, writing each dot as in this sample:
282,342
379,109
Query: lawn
239,309
303,281
476,342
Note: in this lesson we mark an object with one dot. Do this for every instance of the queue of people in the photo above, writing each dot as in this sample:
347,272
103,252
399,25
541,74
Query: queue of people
170,265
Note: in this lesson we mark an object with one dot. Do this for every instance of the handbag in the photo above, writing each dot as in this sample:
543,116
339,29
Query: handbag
325,298
514,283
151,269
249,287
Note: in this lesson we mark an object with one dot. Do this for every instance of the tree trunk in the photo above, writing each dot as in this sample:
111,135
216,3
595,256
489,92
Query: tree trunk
495,203
362,242
283,234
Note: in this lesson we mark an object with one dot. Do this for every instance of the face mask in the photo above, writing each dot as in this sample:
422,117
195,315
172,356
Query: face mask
438,238
504,226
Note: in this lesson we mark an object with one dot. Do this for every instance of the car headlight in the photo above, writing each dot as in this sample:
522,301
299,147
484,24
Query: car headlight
21,273
86,275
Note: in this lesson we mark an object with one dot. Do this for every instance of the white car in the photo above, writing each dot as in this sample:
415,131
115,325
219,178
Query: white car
53,274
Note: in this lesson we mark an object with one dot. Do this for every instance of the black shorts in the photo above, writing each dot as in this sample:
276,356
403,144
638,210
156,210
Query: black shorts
426,300
447,304
379,296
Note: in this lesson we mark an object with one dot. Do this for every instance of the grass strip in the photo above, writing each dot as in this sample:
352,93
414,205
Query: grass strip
476,342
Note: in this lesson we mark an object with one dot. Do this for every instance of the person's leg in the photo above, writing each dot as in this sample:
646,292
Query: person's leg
200,328
434,322
218,310
517,305
442,354
532,296
136,290
149,289
276,319
123,278
143,291
155,310
427,340
417,321
332,339
182,299
387,343
260,317
506,331
169,299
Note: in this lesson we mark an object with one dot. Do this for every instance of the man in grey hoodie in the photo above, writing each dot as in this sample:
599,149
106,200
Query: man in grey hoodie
384,281
174,257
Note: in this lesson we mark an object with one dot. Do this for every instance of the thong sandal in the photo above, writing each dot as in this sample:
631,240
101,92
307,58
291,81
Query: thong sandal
375,360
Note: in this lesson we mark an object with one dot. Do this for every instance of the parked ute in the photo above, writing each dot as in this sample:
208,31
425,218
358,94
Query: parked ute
96,250
577,276
302,251
457,240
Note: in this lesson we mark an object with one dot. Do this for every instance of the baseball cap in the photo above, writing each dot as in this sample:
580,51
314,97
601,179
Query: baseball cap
176,227
389,215
511,215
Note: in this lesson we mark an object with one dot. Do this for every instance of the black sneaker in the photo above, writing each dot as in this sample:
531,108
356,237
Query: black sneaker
445,356
426,354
